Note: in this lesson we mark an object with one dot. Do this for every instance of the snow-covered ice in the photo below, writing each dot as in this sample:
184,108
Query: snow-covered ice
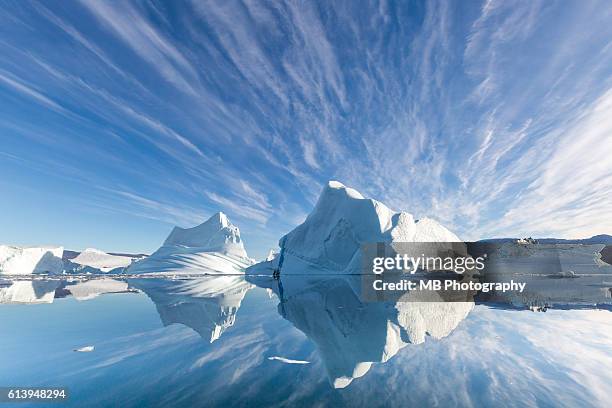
30,260
92,260
329,240
213,247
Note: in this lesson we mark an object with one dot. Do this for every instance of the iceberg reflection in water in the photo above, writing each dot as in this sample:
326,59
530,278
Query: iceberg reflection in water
207,306
148,347
351,333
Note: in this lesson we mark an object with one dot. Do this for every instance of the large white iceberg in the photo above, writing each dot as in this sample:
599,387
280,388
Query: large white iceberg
329,240
213,247
30,260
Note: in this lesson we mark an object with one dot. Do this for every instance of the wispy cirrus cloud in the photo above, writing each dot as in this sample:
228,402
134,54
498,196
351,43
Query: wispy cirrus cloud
470,113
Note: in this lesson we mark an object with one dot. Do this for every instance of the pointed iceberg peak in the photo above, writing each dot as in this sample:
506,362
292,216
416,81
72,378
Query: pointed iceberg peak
217,234
334,185
219,218
213,247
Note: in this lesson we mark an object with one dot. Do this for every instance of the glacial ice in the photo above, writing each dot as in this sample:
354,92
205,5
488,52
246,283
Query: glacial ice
94,260
213,247
30,260
329,240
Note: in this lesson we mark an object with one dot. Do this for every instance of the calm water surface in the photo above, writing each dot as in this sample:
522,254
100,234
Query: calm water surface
227,342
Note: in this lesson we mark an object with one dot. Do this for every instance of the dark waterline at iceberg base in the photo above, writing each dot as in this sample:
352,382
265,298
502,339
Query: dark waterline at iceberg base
223,341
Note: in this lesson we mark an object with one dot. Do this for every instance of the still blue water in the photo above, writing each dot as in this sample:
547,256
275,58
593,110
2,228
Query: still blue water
226,342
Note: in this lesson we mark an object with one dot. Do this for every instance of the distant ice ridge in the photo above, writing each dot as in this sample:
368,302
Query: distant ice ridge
328,241
213,247
30,260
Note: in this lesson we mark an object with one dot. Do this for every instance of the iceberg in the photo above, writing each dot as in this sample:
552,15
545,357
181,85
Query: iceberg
30,260
206,305
329,240
93,260
213,247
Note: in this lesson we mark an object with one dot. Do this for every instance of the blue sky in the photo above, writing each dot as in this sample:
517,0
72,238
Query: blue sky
119,120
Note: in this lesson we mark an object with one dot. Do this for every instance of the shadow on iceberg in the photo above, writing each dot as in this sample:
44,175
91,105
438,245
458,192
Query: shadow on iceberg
206,305
30,260
352,333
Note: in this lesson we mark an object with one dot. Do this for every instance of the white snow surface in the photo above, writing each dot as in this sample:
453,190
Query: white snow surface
97,259
213,247
329,239
30,260
217,234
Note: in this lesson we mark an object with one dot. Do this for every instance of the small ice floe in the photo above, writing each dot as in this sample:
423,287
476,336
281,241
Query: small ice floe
287,360
85,349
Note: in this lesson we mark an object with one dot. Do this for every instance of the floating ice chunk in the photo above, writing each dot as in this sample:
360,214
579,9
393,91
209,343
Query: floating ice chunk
100,260
288,360
30,260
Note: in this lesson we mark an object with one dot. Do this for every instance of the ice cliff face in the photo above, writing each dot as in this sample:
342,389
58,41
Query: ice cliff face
342,220
213,247
30,260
